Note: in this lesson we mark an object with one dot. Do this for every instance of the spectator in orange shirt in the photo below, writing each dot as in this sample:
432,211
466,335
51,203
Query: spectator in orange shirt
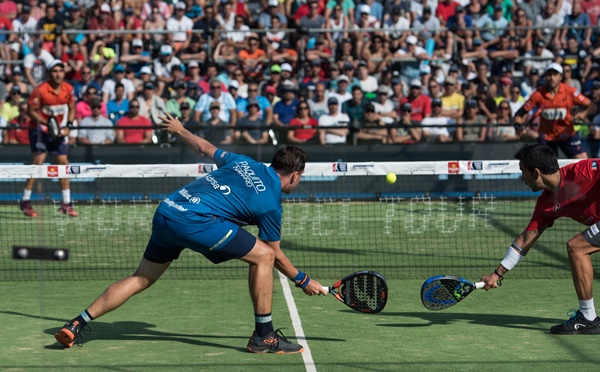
252,58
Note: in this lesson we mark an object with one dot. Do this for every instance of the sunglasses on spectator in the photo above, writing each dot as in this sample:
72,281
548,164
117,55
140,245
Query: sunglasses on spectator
95,107
134,107
215,87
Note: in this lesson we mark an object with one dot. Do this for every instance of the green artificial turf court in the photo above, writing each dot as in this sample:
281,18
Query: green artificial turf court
204,325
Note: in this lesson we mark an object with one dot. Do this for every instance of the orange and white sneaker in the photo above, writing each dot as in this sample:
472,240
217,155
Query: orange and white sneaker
71,332
25,206
67,208
273,342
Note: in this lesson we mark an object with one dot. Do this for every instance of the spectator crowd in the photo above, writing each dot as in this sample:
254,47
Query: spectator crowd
389,72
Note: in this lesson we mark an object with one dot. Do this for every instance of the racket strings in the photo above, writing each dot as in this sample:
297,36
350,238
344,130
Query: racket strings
363,293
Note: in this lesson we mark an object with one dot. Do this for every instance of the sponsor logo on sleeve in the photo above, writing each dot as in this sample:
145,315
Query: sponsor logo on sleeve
205,168
594,164
453,167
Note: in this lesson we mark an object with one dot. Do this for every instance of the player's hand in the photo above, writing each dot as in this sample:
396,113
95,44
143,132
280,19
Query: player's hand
170,124
314,288
490,280
579,117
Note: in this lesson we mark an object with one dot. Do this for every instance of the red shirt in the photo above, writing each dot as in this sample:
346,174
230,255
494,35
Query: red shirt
556,122
445,11
73,75
134,135
577,196
421,106
304,134
20,135
51,102
592,9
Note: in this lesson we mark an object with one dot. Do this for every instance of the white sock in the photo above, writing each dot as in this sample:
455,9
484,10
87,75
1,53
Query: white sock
26,195
587,309
66,196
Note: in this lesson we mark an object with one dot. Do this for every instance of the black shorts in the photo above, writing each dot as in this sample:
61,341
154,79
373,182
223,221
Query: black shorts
570,147
217,239
592,234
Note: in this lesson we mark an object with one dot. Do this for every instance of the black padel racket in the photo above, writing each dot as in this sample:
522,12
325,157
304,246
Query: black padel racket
364,291
444,291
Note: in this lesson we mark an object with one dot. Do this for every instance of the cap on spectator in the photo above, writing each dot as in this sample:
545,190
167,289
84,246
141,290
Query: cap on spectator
540,43
146,70
137,43
184,105
416,83
193,64
436,102
26,9
406,107
50,4
497,7
369,107
427,9
554,66
181,5
534,71
342,77
234,84
396,81
274,3
334,67
276,69
450,81
179,84
54,63
286,67
472,103
424,70
364,8
192,86
460,9
166,50
595,85
383,89
453,68
105,8
363,63
251,102
315,62
119,68
217,104
17,70
477,41
348,66
396,10
129,11
149,86
288,86
15,89
332,101
412,40
505,81
269,89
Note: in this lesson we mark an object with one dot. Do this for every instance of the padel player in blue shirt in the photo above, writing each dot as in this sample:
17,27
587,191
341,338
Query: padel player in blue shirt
205,216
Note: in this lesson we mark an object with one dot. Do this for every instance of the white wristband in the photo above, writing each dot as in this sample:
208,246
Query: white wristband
511,259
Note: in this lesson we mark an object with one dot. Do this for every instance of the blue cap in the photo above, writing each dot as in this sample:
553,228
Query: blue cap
119,68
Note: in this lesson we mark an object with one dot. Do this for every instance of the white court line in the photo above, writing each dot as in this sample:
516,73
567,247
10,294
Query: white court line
289,299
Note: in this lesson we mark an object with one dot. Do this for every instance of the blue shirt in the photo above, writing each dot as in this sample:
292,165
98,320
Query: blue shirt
117,110
286,112
242,190
263,103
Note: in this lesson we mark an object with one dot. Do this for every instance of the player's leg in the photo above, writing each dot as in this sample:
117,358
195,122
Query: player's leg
39,158
574,148
580,248
65,184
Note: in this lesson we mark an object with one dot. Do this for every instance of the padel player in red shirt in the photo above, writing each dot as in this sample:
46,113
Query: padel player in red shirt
553,103
52,98
571,191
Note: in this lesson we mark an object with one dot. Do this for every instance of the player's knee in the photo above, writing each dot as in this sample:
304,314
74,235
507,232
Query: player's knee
266,254
574,247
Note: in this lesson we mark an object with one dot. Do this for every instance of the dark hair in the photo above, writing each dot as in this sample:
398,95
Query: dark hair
119,85
289,159
538,156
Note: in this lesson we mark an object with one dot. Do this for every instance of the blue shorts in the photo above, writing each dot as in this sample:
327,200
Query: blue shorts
40,142
217,239
570,147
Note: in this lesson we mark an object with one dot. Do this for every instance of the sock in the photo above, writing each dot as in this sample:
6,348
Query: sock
26,195
84,318
66,194
587,309
263,324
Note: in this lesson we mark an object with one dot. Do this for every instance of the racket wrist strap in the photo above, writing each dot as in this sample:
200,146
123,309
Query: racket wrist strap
301,280
512,258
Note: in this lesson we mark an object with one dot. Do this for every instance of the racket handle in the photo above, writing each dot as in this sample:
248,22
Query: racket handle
479,285
327,289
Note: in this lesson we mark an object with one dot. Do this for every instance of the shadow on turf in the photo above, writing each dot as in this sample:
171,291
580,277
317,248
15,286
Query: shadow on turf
141,331
494,320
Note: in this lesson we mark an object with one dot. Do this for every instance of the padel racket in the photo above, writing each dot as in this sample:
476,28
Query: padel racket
444,291
364,291
53,128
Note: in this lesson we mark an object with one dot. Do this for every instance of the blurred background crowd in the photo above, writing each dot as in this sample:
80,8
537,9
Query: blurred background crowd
297,71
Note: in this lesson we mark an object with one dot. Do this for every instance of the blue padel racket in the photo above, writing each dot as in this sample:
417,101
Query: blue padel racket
444,291
364,291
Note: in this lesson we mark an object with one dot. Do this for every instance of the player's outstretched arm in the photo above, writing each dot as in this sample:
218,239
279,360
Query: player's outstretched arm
173,125
283,264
